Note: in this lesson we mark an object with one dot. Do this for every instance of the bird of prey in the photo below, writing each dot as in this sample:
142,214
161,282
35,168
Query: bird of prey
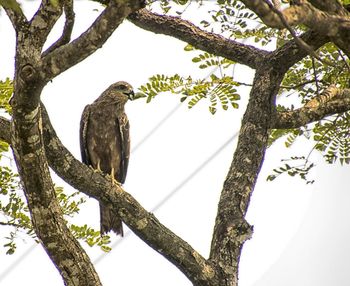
105,144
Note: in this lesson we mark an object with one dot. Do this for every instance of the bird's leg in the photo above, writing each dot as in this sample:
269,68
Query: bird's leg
114,181
98,167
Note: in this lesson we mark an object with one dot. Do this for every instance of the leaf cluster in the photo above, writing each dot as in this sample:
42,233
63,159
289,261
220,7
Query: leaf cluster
6,91
333,139
308,79
301,168
15,213
217,90
91,237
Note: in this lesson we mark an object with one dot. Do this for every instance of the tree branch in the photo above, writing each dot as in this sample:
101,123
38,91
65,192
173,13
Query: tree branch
17,17
70,54
27,144
142,223
330,6
67,29
231,228
5,132
44,20
330,102
209,42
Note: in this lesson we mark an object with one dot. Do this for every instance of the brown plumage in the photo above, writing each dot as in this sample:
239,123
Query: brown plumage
105,144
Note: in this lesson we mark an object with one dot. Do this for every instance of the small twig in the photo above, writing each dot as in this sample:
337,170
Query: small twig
243,83
315,76
10,224
344,59
298,85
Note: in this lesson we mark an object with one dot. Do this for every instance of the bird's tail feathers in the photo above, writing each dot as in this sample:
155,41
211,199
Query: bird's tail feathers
109,221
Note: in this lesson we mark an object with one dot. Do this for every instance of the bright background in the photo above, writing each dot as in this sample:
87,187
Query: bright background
178,164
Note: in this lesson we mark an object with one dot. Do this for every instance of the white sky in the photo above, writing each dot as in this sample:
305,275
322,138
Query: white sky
301,233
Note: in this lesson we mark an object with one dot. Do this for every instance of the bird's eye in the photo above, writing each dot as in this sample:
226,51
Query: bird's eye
122,86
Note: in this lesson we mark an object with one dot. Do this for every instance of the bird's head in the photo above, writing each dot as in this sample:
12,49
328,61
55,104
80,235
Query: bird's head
122,88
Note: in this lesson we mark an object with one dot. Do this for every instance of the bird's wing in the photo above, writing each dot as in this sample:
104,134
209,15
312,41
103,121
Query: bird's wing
123,125
83,130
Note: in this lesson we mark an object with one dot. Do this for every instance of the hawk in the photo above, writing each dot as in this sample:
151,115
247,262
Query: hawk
105,144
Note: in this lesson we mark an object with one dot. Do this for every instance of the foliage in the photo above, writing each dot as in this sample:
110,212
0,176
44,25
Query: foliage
290,134
6,90
15,213
333,139
91,237
308,79
216,90
301,168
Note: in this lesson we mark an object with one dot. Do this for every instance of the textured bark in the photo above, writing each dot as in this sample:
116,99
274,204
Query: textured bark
231,229
186,31
48,222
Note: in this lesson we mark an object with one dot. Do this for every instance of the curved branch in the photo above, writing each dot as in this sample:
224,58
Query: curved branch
44,20
69,55
324,21
67,29
16,16
209,42
141,222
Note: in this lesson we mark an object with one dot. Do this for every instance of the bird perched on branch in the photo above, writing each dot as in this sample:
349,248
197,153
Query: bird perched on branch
105,143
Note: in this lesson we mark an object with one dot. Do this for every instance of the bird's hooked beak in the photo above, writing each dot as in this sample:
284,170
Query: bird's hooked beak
133,96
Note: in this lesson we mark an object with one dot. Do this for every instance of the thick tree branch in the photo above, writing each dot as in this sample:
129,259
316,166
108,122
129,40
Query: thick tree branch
186,31
68,55
67,29
231,229
143,223
332,101
27,144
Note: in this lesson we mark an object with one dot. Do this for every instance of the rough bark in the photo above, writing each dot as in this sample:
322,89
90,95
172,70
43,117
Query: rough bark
231,229
190,33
